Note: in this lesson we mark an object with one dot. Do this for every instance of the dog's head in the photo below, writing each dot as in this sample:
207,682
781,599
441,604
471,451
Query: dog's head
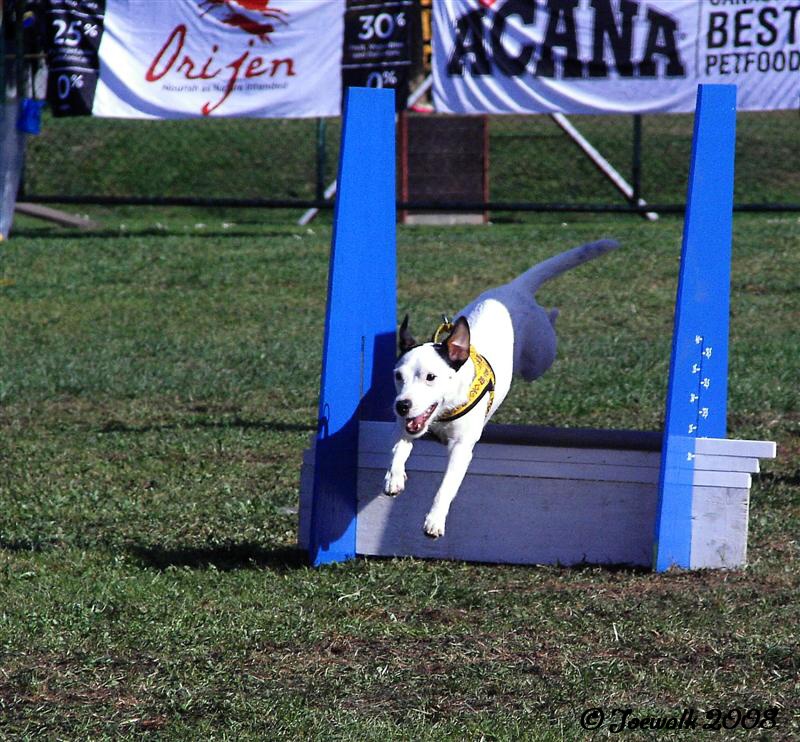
423,375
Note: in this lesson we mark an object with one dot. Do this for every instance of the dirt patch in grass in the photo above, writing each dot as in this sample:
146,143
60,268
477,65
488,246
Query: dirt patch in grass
56,690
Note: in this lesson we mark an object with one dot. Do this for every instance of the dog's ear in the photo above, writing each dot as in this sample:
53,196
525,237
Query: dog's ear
456,344
406,340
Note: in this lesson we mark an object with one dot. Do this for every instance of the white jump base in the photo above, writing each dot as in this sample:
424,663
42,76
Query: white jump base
539,496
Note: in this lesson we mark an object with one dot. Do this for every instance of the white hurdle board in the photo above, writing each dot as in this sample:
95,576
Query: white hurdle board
547,504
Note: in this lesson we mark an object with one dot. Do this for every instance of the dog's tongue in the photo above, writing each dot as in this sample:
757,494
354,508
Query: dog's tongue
414,425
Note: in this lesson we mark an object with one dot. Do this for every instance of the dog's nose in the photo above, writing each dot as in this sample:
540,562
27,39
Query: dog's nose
402,407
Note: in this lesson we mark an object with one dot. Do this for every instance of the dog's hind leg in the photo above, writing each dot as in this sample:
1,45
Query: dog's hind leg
457,465
395,480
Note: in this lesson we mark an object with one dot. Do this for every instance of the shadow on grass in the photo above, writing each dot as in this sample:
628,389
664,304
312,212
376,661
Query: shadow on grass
24,544
211,232
790,479
115,426
225,558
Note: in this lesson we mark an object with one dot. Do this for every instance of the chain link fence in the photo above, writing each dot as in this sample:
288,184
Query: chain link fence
532,164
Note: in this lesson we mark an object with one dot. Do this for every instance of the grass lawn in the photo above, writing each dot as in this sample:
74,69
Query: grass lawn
530,158
158,384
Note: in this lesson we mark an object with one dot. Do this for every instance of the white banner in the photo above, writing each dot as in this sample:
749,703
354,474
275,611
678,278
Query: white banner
182,58
612,56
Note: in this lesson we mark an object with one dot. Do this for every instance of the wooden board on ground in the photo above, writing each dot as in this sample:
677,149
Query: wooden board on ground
539,504
55,215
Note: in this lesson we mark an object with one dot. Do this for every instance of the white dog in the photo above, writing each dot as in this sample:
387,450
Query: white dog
451,387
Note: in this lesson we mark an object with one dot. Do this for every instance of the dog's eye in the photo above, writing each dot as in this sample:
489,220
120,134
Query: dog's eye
398,376
430,377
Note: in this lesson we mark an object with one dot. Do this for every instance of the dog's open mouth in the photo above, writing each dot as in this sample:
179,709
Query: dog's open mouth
416,424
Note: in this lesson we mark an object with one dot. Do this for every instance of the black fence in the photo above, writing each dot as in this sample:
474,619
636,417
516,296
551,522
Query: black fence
533,165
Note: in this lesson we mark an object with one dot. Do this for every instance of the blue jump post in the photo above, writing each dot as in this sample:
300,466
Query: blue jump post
698,375
361,317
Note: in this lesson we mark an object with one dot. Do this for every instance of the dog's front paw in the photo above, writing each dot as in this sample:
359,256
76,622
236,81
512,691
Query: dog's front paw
434,525
393,483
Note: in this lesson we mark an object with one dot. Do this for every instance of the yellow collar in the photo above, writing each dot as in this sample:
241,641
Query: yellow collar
482,382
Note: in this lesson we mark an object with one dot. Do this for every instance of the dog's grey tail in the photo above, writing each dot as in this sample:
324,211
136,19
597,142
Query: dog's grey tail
542,272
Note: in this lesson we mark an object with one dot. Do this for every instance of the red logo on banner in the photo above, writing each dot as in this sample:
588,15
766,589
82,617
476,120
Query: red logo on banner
255,17
218,74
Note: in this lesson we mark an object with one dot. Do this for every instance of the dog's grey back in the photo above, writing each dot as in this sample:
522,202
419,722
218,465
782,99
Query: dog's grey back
533,278
534,336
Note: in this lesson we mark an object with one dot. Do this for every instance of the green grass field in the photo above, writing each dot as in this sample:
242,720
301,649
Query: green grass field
530,159
158,383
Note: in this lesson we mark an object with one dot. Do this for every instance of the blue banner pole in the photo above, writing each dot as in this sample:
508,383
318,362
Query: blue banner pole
360,319
698,376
